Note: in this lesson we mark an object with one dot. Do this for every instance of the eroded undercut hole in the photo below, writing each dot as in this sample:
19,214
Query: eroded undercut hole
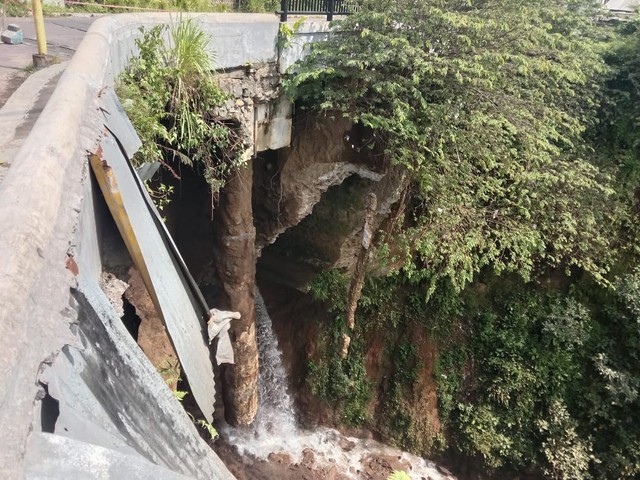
130,319
326,238
267,196
49,412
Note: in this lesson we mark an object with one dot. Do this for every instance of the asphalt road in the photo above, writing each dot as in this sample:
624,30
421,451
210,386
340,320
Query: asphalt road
64,34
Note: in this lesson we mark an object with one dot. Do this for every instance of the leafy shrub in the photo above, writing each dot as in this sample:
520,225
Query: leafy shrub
331,287
161,5
568,456
520,364
399,475
259,6
448,373
171,95
343,382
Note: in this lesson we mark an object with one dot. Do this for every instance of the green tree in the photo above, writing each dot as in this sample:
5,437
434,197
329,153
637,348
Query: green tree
485,103
615,137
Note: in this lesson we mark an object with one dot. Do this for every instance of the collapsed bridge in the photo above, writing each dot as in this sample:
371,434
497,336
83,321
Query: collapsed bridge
77,394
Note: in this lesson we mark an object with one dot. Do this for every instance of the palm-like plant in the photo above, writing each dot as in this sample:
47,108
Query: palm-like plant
170,94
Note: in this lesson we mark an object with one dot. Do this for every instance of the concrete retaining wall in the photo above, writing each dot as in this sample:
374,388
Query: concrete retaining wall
47,215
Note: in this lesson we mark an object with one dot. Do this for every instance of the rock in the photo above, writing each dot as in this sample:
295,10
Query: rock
332,474
113,288
344,348
152,334
444,471
12,35
346,445
376,468
281,458
361,433
308,457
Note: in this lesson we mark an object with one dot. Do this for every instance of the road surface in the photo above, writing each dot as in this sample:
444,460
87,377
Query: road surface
64,34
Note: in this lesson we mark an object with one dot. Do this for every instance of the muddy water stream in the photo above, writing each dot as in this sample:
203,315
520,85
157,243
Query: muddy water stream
275,438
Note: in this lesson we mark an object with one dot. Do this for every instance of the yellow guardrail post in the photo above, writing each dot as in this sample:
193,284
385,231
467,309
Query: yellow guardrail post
38,19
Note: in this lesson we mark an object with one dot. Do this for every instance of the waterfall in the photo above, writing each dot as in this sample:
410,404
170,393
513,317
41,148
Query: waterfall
276,414
275,429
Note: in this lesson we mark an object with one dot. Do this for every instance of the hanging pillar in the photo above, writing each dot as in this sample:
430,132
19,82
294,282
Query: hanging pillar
235,264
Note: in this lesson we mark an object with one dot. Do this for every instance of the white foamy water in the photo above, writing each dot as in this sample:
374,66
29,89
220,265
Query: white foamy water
275,429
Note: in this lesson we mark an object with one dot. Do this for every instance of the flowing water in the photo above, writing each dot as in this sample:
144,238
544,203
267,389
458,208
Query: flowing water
275,429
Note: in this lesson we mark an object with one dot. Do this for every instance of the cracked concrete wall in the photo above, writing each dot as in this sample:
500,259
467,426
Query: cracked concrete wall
257,105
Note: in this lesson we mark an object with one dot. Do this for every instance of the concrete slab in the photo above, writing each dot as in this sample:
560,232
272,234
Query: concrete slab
624,6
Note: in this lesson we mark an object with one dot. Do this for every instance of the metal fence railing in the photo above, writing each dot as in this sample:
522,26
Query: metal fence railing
330,8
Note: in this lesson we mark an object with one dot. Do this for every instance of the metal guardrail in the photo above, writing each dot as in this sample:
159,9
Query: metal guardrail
330,8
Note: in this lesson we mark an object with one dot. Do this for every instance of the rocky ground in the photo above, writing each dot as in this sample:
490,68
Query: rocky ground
282,467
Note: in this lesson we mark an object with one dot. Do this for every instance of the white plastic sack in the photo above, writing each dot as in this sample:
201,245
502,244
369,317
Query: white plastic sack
218,327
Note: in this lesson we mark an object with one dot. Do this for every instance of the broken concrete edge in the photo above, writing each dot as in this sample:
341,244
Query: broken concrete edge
308,32
104,422
109,395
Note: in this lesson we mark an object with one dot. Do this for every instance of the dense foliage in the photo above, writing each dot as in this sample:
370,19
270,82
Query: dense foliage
485,104
20,8
551,382
170,95
259,6
516,124
342,381
615,138
531,379
388,308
